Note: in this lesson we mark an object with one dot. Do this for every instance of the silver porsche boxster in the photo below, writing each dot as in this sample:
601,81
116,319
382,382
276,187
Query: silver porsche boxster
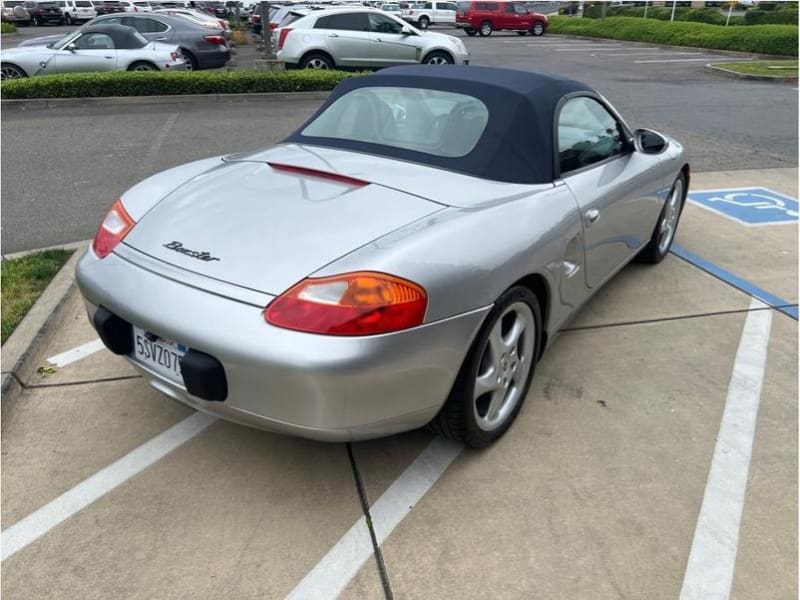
404,258
93,48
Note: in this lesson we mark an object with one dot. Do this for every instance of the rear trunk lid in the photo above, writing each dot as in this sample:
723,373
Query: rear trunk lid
264,229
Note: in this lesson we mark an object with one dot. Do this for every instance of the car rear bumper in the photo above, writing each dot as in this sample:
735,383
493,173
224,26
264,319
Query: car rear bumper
218,56
321,387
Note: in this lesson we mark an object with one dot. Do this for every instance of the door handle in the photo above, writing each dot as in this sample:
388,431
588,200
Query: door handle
333,35
378,40
592,215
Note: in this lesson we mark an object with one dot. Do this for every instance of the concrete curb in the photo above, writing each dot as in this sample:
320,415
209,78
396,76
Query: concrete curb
651,44
735,75
71,246
18,347
201,99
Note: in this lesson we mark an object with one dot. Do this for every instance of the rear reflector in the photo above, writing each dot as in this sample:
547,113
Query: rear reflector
217,40
321,174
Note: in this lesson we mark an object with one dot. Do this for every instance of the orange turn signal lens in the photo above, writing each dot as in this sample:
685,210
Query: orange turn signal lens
362,303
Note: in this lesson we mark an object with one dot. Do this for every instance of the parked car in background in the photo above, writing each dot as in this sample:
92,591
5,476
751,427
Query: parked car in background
89,49
201,47
76,11
363,37
14,11
218,9
431,13
105,7
200,18
43,13
485,17
391,8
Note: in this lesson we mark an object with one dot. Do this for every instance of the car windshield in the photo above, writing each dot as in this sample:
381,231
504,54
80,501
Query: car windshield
46,5
434,122
13,3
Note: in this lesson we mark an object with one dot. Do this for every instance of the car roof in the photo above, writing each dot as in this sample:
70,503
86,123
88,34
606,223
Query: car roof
517,144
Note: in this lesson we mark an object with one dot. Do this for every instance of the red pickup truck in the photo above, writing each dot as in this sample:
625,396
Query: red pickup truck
485,17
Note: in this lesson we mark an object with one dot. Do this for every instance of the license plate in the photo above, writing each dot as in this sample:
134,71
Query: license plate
160,355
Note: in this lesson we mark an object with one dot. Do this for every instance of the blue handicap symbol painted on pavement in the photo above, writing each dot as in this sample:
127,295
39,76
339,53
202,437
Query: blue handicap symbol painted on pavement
751,206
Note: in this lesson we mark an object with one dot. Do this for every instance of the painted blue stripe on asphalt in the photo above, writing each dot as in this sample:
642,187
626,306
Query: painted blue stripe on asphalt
742,284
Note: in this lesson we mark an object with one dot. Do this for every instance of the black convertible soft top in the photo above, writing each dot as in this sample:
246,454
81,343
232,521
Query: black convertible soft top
517,144
124,37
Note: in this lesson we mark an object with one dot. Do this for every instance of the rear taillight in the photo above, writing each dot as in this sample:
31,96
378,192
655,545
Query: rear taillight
284,33
363,303
114,227
273,25
217,40
173,55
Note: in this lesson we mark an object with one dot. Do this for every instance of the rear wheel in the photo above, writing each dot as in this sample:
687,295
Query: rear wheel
316,60
423,22
485,29
537,29
494,379
664,232
191,61
438,58
142,66
8,71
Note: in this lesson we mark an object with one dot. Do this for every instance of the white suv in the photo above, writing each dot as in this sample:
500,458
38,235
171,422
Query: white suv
363,37
430,13
75,11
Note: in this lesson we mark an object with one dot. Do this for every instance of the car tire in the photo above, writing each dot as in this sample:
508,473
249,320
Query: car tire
423,22
480,413
9,71
142,65
521,32
470,32
317,60
36,21
537,29
191,61
485,29
438,58
666,226
68,19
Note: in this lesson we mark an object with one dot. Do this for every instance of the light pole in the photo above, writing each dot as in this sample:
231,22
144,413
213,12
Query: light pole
646,4
674,4
730,10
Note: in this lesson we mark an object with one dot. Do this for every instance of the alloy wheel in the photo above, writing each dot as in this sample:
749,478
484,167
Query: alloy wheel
9,72
669,221
317,63
504,366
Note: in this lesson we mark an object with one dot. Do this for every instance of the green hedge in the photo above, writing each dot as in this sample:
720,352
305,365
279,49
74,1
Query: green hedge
761,39
7,28
126,83
773,17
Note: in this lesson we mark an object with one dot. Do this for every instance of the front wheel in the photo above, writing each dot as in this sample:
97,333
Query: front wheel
664,232
537,29
438,58
11,72
423,22
496,375
485,29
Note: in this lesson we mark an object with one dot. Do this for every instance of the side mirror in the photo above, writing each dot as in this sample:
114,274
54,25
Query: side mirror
406,30
72,47
649,142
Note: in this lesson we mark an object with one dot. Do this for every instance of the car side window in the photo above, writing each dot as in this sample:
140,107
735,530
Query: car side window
428,5
381,24
587,133
94,41
520,9
343,22
150,26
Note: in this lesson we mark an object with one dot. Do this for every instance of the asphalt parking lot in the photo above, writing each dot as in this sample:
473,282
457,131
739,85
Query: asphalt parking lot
621,478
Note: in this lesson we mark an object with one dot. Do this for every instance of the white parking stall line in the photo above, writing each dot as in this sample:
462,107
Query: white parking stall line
672,60
709,572
75,354
31,528
332,574
598,49
653,53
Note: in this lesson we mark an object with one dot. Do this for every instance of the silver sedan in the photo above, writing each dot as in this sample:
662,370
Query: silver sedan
91,49
402,259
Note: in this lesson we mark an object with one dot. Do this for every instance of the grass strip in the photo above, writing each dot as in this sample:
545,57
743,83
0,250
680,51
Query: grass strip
22,281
